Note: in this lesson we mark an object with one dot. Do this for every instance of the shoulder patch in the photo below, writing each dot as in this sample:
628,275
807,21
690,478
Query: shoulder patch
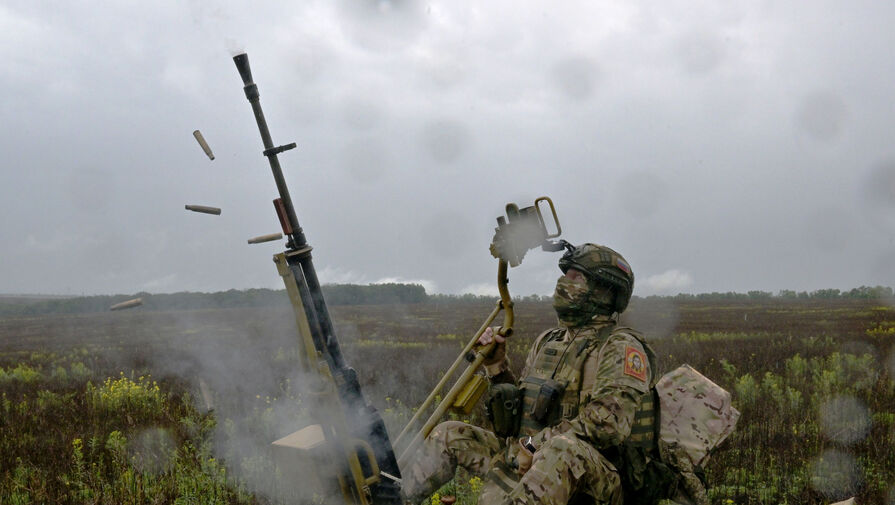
635,363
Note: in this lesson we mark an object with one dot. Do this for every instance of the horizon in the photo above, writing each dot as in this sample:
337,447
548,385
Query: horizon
776,294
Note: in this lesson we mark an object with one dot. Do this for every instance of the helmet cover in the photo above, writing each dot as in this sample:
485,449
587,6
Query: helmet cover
604,268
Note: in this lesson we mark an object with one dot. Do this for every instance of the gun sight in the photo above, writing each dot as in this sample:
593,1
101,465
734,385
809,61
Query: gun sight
523,229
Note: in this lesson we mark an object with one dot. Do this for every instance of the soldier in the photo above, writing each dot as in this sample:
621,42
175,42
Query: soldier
579,425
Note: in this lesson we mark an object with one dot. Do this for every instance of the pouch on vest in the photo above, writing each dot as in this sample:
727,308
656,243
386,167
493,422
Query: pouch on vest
542,399
504,409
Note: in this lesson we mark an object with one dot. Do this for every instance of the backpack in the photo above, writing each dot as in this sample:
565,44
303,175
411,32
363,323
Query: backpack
695,416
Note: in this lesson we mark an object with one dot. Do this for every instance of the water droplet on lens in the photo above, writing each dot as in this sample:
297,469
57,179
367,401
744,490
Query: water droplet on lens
844,419
835,475
576,78
446,140
822,116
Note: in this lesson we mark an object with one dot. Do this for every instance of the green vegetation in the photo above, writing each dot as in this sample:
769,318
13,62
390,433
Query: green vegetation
179,406
125,440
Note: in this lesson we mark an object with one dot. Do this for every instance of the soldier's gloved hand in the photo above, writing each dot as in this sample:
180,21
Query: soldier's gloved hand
496,363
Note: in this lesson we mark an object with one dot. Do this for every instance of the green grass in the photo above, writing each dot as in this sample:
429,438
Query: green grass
107,408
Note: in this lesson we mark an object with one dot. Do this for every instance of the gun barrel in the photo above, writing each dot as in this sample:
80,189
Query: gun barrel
204,209
297,237
203,144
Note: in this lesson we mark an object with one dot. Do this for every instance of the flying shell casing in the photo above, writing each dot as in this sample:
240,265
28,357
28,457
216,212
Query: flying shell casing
203,144
129,304
204,209
265,238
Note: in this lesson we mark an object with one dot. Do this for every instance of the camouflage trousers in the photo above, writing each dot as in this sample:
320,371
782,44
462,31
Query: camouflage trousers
563,468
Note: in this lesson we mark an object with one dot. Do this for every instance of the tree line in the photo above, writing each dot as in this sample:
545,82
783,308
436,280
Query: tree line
335,294
373,294
859,293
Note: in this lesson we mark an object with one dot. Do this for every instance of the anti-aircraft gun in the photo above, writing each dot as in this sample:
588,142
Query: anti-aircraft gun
346,453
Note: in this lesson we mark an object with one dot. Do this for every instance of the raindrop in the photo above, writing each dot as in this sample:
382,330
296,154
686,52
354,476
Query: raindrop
829,229
364,159
858,348
822,116
361,115
650,191
879,192
151,450
447,234
446,140
700,52
575,77
883,271
835,475
844,419
383,24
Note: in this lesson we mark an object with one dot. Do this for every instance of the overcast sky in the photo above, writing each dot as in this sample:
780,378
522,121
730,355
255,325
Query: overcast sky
717,145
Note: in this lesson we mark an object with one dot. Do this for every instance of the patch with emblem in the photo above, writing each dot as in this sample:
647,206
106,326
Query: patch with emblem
635,363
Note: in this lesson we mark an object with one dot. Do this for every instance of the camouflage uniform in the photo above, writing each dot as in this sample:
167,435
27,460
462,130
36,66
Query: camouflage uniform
599,408
586,402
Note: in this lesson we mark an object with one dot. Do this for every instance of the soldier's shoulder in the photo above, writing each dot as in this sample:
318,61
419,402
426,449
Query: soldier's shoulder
627,333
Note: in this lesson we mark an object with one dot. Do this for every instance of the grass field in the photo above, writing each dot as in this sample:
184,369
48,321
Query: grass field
180,407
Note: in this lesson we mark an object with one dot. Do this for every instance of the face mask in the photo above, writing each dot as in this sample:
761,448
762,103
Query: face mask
572,301
576,302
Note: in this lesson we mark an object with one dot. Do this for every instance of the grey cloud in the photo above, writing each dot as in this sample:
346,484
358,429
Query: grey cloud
692,141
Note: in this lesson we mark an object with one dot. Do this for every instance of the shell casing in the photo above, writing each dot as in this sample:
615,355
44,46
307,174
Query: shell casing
129,304
265,238
204,209
203,144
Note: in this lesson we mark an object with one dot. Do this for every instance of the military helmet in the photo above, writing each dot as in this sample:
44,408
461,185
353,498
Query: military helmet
603,266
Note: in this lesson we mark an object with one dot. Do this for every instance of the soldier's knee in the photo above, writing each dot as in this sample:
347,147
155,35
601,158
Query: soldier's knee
449,432
566,446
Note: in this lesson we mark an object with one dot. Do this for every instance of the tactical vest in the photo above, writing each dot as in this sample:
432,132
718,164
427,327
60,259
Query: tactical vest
552,390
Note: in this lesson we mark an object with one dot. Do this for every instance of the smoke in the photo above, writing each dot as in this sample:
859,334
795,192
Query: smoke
241,364
233,47
481,289
655,317
668,282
